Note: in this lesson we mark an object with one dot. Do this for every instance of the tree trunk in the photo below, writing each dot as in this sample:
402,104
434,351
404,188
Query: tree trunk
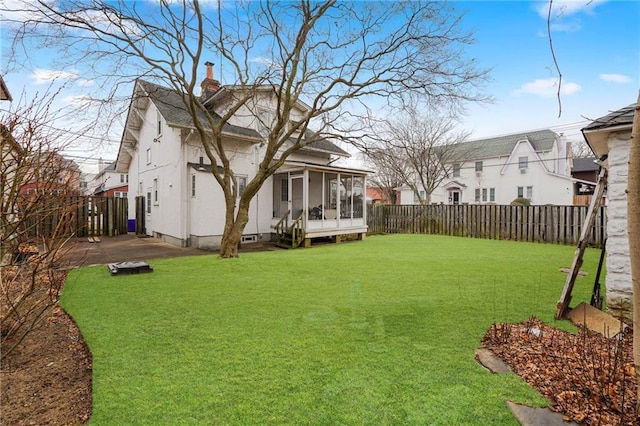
233,232
633,215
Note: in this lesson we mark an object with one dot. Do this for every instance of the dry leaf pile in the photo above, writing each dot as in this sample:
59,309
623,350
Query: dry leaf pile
588,377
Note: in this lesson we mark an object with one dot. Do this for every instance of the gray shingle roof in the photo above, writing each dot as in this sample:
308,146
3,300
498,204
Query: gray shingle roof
616,118
585,164
502,146
171,106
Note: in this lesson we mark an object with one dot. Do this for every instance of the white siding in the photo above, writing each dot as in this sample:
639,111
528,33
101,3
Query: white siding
503,174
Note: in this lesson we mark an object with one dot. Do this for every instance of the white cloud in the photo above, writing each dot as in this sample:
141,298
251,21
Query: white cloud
547,88
565,8
615,78
42,76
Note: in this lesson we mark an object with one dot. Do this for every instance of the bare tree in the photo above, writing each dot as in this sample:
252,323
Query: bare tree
36,217
419,148
389,173
337,57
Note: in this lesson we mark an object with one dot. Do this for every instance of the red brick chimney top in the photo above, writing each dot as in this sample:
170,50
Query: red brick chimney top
209,85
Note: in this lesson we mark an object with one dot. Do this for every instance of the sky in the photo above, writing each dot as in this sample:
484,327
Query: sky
596,43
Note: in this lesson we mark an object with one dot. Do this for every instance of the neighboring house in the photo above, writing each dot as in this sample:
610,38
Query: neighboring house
109,183
534,165
86,182
184,205
53,174
585,172
376,196
610,140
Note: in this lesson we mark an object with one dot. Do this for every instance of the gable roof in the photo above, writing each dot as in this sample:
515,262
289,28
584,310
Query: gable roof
620,117
502,146
597,133
4,91
169,103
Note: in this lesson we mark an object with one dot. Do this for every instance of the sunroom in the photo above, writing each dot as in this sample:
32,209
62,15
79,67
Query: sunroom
314,201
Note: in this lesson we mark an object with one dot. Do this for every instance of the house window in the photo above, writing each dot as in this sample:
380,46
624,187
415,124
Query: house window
193,185
477,195
149,202
121,178
523,162
484,195
520,191
456,170
284,190
492,194
478,166
148,155
530,192
159,124
155,191
241,184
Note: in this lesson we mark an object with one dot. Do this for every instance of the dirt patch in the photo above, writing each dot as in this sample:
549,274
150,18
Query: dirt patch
588,377
47,379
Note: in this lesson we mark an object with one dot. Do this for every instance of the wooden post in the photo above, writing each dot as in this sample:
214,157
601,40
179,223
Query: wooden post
594,207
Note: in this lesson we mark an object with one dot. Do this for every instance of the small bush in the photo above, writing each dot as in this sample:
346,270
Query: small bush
521,201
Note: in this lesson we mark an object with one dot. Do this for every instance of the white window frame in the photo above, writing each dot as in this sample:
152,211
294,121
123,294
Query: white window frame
159,121
492,195
149,155
523,162
241,184
456,169
530,192
155,192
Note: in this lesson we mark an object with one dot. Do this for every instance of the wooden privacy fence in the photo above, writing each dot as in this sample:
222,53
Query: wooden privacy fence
82,216
550,224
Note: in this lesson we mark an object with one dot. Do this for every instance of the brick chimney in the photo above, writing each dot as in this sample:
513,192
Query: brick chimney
209,85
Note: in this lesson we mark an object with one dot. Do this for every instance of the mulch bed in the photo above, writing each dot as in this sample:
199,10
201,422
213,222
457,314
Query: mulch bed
588,377
47,379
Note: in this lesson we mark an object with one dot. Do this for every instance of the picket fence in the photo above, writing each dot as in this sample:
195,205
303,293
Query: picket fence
545,223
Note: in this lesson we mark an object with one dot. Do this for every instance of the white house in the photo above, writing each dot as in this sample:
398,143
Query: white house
534,165
610,139
110,183
184,205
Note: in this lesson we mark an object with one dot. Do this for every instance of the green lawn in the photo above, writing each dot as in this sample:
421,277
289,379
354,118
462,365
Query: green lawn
374,332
